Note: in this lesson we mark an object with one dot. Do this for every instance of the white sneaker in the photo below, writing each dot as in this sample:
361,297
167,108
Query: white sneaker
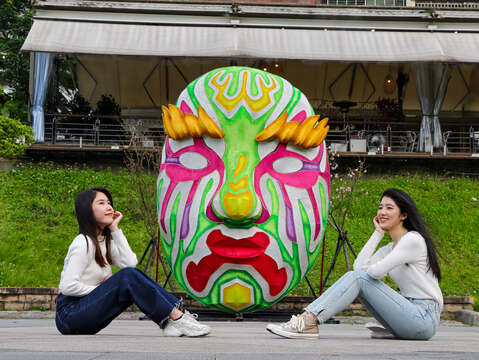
299,327
378,331
187,325
171,331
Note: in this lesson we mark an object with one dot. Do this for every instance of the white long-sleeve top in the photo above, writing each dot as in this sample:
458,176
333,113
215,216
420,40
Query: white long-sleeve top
81,274
407,264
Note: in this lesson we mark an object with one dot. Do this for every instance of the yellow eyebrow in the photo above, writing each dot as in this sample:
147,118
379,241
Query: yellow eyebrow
307,134
180,126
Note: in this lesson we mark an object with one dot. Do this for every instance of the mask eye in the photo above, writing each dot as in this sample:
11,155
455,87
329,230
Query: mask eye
193,161
287,165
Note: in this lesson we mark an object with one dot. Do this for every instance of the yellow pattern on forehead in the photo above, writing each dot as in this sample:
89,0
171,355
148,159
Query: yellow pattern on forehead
255,104
307,134
180,126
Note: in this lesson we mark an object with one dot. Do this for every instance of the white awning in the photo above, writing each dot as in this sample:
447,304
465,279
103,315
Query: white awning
196,41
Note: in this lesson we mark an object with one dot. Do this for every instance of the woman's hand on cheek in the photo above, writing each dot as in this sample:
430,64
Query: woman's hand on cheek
117,216
378,227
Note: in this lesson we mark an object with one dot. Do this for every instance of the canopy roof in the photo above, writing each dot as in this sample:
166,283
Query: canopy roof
287,43
183,29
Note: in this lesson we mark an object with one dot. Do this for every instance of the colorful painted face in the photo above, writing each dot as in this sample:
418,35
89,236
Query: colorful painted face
243,189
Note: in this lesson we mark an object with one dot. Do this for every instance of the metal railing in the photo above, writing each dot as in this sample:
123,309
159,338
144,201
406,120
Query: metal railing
103,131
392,3
447,4
388,139
438,4
121,132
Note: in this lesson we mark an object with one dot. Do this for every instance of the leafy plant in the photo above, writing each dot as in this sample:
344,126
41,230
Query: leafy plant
107,105
14,137
13,107
15,22
78,105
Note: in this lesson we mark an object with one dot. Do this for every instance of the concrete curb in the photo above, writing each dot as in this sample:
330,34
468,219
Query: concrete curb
29,315
468,317
136,315
31,299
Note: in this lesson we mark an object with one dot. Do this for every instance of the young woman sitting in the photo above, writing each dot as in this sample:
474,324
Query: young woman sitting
411,261
91,297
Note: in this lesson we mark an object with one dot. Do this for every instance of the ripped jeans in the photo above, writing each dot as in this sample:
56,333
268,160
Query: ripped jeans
405,318
91,313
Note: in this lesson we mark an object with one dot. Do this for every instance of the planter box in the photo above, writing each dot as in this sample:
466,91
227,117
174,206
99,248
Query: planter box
358,145
148,143
340,147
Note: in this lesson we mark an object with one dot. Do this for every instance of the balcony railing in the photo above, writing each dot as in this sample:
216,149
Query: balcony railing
441,4
108,131
447,4
378,137
393,3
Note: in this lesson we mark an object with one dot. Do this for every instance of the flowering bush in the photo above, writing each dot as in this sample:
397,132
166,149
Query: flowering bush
342,195
343,190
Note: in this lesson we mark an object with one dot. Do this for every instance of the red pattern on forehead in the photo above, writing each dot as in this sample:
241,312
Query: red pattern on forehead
185,108
301,116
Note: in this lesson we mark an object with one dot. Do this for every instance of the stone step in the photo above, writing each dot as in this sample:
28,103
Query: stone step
23,299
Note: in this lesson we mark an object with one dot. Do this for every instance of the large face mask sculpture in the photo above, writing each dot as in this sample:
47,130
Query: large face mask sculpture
243,189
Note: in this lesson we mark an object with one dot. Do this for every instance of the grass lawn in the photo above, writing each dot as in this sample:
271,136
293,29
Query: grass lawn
37,222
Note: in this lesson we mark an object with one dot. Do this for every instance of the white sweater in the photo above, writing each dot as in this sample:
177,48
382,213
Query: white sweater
81,274
407,263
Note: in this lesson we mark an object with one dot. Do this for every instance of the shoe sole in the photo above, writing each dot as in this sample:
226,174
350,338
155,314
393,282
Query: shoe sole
178,334
375,328
382,336
199,335
378,332
289,335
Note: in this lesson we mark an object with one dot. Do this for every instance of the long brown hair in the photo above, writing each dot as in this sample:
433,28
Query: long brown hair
88,226
414,221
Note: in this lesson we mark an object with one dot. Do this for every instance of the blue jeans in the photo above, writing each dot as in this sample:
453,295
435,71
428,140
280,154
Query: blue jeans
406,318
91,313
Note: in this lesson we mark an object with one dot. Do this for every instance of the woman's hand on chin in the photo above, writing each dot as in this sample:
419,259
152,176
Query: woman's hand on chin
117,216
378,227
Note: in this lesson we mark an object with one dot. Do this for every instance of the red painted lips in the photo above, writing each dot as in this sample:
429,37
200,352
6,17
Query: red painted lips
247,251
228,247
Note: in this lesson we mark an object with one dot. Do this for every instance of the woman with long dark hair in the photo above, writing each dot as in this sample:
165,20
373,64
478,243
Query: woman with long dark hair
411,261
91,297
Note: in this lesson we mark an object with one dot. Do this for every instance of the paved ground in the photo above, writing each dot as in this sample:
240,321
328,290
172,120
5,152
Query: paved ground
22,339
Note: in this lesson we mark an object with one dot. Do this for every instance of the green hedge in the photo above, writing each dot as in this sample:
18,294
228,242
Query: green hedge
37,222
14,137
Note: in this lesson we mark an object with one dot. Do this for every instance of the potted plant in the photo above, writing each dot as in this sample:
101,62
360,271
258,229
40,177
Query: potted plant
388,108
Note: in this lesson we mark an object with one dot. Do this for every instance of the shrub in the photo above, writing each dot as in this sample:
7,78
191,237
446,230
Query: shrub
14,137
13,105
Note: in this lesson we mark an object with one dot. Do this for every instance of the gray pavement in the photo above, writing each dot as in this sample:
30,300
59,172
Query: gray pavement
22,339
